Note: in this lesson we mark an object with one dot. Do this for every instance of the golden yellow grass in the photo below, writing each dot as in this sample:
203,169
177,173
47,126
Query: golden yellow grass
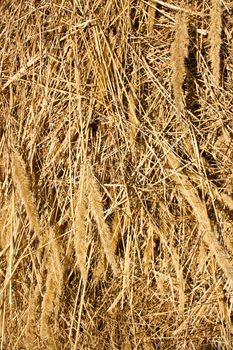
53,290
22,185
199,208
179,52
81,212
215,38
96,209
116,203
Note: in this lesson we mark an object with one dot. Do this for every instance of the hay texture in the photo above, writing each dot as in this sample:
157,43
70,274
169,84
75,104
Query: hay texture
116,174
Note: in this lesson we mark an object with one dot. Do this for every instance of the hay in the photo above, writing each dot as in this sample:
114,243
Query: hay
116,174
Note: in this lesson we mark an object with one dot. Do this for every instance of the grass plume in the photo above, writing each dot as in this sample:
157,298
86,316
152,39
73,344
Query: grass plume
215,39
81,212
96,208
53,291
22,184
179,51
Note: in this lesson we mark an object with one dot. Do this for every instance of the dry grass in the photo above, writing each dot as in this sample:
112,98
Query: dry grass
179,52
116,177
215,34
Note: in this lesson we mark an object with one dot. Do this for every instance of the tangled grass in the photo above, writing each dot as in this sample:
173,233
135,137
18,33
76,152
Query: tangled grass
116,177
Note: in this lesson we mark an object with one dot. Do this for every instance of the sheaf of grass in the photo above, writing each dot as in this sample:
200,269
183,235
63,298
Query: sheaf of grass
116,178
